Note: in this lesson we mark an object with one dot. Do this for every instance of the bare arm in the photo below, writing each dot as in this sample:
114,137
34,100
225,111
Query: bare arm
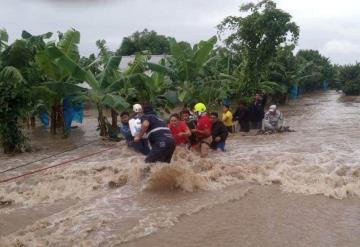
205,132
187,132
144,127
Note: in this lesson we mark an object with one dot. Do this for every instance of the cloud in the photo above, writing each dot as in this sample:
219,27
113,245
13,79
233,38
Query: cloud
343,50
323,23
341,47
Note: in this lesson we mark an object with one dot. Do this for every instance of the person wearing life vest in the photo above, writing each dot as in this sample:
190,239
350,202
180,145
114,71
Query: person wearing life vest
159,135
203,129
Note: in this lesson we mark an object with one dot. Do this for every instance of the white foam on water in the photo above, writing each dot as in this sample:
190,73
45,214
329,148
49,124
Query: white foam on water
322,157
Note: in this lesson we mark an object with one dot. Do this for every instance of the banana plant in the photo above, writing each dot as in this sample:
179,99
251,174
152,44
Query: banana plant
59,84
140,85
185,65
21,54
102,85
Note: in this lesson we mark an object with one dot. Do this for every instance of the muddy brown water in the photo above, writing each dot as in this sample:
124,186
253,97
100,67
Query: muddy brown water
292,189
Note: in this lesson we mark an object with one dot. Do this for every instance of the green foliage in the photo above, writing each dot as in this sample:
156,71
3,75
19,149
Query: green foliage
4,38
102,85
259,56
257,36
185,67
316,65
144,41
349,76
13,101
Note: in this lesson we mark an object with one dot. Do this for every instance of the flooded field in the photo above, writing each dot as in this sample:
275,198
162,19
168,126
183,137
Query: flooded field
293,189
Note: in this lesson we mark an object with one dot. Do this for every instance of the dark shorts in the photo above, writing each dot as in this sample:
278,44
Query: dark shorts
218,145
161,151
142,146
256,124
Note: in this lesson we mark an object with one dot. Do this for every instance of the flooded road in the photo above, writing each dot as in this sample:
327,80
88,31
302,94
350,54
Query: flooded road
292,189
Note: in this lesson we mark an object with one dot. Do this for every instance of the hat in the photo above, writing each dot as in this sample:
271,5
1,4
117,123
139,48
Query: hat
137,108
200,107
272,108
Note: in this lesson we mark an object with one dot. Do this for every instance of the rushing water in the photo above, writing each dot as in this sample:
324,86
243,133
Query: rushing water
293,189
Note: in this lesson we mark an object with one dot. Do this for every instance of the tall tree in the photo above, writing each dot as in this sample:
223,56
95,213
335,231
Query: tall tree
257,34
146,40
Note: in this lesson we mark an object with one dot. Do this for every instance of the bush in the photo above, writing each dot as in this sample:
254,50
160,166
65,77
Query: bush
13,102
352,87
349,75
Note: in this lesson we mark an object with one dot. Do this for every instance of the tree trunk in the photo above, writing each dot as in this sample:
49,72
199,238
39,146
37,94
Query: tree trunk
57,118
101,121
114,116
26,121
53,120
33,121
61,120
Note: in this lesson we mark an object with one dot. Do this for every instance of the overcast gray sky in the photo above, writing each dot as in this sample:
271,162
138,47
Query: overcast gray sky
330,26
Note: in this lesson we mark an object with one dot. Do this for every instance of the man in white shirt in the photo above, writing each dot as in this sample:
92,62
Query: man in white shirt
273,119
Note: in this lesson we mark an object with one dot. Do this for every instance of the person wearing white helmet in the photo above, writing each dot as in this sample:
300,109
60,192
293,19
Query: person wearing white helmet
135,122
137,108
134,125
273,119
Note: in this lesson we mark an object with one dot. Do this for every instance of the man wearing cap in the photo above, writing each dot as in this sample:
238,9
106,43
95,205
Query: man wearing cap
159,135
203,129
273,119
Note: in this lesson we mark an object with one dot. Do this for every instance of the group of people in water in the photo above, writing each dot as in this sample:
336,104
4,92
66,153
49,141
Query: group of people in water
193,129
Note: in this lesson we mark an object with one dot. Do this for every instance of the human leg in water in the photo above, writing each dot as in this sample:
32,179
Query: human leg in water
205,146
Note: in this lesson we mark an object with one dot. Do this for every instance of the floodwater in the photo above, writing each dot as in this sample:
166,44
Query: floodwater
292,189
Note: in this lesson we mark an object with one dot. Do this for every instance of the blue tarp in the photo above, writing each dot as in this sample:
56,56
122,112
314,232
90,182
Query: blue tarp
294,90
301,91
72,112
44,118
325,85
226,102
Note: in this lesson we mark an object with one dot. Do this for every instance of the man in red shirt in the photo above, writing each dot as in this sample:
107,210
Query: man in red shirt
179,130
203,129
